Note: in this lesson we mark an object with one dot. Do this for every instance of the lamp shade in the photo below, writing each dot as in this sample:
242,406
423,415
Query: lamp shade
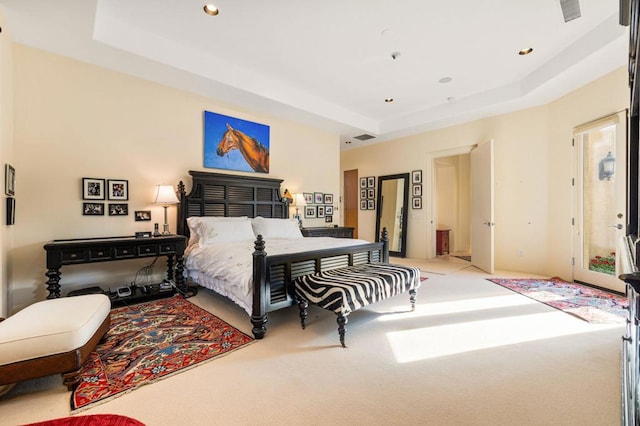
166,195
298,200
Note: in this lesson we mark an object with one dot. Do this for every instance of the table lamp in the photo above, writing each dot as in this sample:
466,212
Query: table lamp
166,196
299,202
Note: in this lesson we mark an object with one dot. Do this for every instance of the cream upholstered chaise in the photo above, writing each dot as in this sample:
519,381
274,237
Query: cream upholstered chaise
53,336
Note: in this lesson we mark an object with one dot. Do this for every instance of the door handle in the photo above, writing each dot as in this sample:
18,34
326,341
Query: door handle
618,226
488,223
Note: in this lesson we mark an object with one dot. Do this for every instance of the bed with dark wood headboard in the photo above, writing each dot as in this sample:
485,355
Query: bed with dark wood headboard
217,194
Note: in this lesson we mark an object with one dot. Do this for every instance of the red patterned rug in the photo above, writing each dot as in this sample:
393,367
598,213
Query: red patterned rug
588,303
150,341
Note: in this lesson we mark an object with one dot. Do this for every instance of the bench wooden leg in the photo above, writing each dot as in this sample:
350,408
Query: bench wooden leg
413,295
303,305
342,321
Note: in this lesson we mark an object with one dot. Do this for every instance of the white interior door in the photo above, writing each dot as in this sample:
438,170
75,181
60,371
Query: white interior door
482,219
600,201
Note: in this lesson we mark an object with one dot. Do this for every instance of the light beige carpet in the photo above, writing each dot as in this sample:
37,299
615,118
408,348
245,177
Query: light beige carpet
443,265
473,353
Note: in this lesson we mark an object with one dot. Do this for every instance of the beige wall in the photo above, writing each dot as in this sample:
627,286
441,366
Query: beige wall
6,156
74,120
533,170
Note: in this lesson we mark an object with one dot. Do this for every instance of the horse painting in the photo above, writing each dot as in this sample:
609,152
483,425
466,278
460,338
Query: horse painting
254,153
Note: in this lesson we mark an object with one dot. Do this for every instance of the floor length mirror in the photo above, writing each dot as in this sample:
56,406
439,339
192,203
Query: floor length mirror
393,201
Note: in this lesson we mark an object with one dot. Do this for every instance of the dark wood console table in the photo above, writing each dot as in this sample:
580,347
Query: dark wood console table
92,250
328,231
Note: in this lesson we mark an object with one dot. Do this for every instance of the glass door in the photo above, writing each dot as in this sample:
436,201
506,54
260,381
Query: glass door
600,201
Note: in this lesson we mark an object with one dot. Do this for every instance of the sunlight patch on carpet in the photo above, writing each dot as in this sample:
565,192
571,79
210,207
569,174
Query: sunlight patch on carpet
151,341
451,339
458,306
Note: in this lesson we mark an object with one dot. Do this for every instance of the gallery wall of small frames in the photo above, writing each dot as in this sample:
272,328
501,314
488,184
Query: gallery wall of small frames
416,189
368,193
318,205
95,190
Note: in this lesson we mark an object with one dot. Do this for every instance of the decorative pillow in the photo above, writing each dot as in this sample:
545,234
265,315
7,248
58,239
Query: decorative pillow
225,231
276,228
197,223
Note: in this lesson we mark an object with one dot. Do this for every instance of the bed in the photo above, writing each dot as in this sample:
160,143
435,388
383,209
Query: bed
275,262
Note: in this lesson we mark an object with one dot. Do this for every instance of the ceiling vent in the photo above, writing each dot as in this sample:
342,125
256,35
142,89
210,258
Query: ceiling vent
364,137
570,9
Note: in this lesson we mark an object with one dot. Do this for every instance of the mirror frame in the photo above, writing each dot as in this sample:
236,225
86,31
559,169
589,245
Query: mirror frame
405,212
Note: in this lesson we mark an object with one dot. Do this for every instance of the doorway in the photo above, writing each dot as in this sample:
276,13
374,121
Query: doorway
452,205
600,200
474,224
350,180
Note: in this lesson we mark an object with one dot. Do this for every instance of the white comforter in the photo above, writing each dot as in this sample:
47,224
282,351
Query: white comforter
227,268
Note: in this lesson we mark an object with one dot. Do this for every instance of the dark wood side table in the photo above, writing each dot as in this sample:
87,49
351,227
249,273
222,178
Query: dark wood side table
328,231
442,241
92,250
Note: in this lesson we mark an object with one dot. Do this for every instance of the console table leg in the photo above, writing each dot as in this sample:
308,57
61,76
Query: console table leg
180,281
170,268
53,283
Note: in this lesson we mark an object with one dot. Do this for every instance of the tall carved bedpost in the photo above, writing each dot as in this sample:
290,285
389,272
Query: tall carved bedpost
182,206
259,308
385,245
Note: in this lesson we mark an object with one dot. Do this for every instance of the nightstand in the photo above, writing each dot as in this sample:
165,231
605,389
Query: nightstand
326,231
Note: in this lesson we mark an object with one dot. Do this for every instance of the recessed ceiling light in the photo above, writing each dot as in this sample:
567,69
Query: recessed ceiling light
211,9
388,100
445,80
525,51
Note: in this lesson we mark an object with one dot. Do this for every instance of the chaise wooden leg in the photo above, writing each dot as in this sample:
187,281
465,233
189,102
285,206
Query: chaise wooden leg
342,322
71,379
303,305
413,295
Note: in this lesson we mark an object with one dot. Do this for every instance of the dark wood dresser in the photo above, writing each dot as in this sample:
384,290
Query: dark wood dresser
326,231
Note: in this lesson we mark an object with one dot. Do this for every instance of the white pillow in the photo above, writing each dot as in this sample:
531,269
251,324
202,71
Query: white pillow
225,231
276,228
196,223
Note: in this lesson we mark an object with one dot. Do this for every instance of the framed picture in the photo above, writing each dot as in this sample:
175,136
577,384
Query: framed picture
328,210
328,219
363,182
416,176
118,189
9,180
93,209
11,210
371,182
318,197
363,204
93,189
371,204
328,198
118,209
309,211
416,202
363,193
320,212
142,215
225,140
417,190
308,197
371,193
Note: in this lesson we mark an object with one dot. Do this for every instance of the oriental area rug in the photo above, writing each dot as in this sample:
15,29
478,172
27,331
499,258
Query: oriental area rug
588,303
150,341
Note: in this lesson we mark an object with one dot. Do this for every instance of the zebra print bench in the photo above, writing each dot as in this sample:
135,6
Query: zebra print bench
347,289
